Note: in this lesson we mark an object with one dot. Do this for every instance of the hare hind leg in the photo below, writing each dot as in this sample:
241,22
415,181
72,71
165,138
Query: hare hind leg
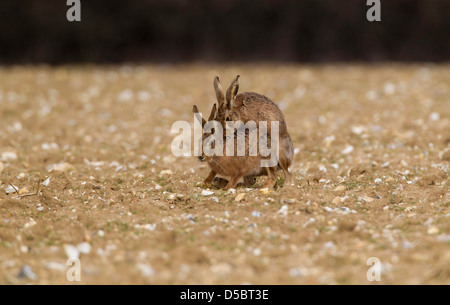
271,177
285,161
287,175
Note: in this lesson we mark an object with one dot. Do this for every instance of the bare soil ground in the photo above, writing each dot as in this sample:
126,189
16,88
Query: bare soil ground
371,171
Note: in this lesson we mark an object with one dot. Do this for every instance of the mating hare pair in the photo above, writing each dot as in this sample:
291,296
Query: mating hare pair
245,107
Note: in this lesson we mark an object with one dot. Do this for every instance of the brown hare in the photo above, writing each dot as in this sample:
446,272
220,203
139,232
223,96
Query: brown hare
247,167
250,106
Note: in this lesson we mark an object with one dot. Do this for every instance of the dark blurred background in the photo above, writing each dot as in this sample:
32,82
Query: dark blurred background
111,31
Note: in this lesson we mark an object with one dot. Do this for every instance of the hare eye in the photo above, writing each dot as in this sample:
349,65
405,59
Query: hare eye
228,118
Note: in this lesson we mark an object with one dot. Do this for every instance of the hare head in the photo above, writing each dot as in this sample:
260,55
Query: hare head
220,113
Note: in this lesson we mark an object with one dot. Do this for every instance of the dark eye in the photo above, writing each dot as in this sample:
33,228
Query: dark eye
228,118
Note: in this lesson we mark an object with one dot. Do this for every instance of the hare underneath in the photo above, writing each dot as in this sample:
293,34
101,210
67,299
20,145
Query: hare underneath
237,167
251,106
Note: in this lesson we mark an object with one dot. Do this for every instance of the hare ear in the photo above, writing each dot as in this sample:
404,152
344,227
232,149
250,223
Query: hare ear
213,113
219,91
232,92
197,115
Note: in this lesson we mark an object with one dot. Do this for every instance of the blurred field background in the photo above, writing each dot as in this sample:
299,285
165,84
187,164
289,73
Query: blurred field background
181,30
85,116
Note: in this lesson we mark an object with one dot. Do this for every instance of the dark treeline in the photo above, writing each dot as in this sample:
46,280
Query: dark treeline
33,31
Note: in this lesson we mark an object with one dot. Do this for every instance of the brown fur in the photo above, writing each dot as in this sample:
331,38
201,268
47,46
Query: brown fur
246,107
239,167
250,106
236,167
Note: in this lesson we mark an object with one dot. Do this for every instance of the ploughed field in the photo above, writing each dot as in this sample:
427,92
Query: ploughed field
86,171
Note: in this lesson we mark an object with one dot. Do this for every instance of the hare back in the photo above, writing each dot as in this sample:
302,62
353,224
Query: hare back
251,106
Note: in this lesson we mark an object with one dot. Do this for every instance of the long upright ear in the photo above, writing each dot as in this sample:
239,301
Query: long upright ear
232,92
197,115
221,111
213,113
219,91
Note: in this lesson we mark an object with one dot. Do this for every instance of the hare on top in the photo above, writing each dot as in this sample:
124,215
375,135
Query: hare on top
251,106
